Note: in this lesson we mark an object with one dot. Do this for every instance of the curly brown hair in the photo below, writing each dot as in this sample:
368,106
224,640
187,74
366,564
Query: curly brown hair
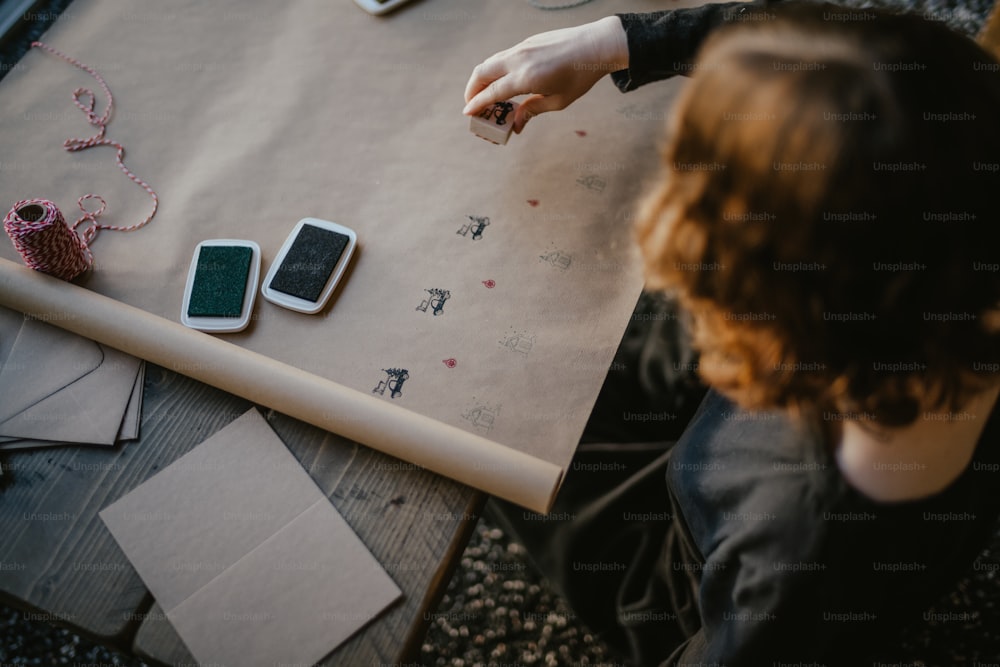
827,213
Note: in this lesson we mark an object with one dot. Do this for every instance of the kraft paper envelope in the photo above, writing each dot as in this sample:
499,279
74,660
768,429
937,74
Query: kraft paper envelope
59,387
10,324
133,411
249,560
129,429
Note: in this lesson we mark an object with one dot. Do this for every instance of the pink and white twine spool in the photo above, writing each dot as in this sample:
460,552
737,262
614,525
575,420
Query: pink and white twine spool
47,244
37,228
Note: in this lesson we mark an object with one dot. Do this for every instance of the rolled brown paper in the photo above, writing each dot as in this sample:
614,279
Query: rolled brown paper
467,458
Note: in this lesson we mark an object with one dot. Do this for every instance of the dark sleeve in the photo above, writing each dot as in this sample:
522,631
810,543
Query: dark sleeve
759,611
762,599
664,44
767,573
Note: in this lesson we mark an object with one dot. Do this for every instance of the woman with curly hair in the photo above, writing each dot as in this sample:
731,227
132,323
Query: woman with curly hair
826,215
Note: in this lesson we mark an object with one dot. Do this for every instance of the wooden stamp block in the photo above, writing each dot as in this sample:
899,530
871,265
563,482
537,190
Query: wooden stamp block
495,122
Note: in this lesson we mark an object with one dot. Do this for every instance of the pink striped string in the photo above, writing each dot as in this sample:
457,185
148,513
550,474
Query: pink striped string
40,234
37,228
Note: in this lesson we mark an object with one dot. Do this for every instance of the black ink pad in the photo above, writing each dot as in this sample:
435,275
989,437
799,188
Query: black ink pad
309,264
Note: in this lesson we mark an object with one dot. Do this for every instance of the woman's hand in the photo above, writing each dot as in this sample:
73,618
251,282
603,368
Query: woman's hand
554,68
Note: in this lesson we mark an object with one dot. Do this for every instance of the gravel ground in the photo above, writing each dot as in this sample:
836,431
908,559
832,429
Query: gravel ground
29,642
498,611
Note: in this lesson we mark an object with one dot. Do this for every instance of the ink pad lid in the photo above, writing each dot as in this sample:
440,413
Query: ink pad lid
221,285
309,265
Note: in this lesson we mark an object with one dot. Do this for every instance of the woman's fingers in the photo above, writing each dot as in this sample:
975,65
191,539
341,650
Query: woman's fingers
499,90
554,68
484,84
483,75
521,118
535,105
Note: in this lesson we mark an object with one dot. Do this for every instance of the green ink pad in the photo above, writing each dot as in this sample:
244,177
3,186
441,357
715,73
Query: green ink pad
220,280
221,285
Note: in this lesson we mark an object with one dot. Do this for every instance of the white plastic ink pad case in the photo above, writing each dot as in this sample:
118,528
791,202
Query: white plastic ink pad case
309,265
221,285
380,6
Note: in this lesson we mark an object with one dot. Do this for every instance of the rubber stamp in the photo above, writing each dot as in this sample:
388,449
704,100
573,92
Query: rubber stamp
495,122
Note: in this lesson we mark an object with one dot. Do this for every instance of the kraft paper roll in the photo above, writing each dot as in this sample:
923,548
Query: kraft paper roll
449,451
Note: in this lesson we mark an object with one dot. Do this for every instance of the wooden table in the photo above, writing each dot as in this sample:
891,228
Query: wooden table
60,564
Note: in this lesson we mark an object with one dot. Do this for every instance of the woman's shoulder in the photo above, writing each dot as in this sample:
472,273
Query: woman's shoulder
742,474
921,460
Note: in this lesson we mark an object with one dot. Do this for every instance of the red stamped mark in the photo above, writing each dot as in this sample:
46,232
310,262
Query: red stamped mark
581,133
490,284
533,202
450,363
